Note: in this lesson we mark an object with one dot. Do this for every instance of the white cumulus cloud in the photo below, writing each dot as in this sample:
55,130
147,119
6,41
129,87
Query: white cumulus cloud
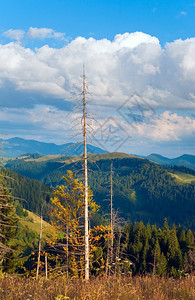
15,34
42,33
167,127
115,69
132,62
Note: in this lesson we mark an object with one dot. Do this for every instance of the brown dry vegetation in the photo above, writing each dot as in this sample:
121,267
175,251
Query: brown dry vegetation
136,288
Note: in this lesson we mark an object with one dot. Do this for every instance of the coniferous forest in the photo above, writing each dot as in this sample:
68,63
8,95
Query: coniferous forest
143,191
140,249
151,246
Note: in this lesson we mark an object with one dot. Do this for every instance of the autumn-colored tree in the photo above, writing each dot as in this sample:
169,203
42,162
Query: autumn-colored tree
68,222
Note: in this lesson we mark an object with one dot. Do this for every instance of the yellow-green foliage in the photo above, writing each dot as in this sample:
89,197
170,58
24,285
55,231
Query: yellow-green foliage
68,213
68,202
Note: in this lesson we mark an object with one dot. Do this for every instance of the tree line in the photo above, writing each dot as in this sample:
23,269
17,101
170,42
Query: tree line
137,248
142,190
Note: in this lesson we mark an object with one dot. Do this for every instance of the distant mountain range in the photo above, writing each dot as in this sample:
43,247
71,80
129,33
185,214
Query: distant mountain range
16,147
185,160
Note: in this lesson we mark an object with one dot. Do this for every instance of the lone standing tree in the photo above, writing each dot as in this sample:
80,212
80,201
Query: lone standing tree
84,129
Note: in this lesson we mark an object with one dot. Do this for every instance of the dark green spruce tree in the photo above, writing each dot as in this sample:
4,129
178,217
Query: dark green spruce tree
8,224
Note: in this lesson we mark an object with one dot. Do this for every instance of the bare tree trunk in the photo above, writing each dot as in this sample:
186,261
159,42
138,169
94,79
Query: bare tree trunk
117,260
108,260
110,250
46,276
67,250
39,253
111,215
86,182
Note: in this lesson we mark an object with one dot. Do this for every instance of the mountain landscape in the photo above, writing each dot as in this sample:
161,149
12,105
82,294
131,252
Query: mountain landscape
79,82
15,147
153,209
143,190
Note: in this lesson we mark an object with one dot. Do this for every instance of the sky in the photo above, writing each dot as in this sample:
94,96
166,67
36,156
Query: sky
139,59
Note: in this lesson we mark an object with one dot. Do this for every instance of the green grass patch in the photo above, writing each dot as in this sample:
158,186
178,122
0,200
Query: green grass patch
33,222
183,177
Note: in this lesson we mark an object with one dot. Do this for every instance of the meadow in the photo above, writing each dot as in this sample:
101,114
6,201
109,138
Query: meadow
99,288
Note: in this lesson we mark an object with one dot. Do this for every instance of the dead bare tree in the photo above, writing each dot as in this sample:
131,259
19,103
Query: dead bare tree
40,240
110,250
85,130
111,211
86,178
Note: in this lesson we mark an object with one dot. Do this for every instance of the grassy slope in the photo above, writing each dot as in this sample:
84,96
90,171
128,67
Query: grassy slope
4,160
68,158
58,157
183,177
113,155
33,222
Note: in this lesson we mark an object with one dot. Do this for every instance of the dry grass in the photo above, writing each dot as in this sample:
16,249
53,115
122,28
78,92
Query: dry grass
136,288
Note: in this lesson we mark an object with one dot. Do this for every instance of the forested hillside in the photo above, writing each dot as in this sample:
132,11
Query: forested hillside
142,190
31,194
145,191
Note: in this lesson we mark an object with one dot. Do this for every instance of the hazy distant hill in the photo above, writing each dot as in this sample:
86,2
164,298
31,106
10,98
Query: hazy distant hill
185,160
15,147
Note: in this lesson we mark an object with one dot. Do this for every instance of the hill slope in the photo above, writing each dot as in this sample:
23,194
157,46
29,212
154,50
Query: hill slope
30,193
142,190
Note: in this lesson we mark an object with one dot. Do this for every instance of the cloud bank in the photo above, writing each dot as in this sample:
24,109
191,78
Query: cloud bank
132,62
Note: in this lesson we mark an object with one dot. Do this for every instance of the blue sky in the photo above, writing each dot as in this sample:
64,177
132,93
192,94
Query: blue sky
140,65
167,20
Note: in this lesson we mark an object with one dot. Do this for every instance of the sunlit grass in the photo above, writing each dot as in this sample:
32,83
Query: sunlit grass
183,177
101,288
33,222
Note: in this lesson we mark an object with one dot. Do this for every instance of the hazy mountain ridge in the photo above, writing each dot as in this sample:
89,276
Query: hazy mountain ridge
15,147
185,160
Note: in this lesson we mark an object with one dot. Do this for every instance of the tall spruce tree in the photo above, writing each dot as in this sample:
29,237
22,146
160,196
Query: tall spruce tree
174,254
160,262
8,223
